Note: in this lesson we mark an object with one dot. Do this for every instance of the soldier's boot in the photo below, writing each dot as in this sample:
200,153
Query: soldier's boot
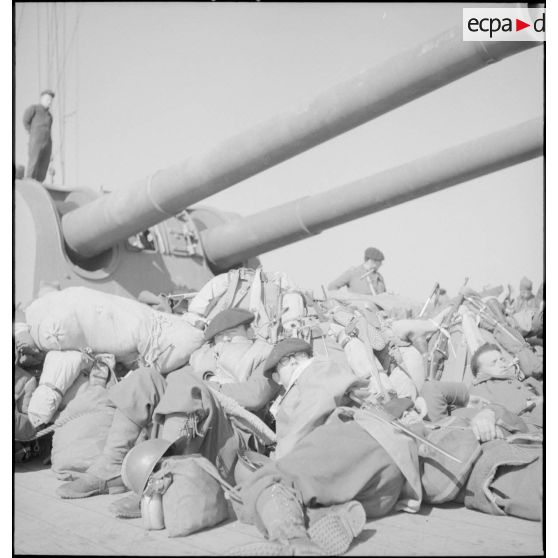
128,507
103,476
334,528
282,515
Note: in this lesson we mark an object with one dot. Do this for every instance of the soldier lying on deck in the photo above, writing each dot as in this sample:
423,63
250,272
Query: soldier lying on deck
507,476
181,404
495,384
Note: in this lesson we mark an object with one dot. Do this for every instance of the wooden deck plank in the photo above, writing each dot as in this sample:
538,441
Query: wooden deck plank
439,540
508,523
124,536
488,526
90,530
45,524
467,528
37,536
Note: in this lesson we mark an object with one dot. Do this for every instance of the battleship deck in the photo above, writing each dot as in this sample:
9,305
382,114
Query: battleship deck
45,524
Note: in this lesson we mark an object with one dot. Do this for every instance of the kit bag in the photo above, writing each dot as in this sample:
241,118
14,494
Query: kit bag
168,342
193,500
79,317
81,433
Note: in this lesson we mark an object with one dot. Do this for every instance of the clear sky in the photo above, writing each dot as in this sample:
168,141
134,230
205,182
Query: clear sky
144,86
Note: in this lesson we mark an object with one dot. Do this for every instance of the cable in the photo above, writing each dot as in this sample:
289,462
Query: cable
61,79
77,95
49,42
39,44
60,94
70,43
20,22
50,27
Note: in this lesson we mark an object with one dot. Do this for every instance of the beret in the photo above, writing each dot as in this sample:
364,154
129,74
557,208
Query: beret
226,319
373,254
283,348
48,92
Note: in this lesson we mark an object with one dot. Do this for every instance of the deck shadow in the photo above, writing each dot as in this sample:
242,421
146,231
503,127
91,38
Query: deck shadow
31,466
366,535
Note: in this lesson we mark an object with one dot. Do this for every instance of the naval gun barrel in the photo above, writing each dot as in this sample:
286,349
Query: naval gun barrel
236,241
100,224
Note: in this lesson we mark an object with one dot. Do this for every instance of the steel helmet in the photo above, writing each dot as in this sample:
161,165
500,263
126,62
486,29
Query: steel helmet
140,462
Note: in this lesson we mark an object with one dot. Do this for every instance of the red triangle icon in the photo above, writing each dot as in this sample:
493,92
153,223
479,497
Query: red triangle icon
519,25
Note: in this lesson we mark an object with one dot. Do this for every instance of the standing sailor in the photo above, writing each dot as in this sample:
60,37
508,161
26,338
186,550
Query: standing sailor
365,278
37,120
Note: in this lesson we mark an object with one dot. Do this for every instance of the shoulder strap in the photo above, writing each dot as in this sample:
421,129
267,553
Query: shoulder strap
234,277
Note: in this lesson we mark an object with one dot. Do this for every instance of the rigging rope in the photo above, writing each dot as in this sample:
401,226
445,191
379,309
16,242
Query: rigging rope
76,24
39,44
49,43
60,94
61,81
76,143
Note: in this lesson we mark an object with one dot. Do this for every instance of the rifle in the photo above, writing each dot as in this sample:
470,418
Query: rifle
276,325
439,351
485,313
369,281
379,413
508,299
434,291
181,296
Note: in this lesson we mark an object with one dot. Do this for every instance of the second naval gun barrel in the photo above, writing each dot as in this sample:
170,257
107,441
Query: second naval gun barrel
234,242
95,227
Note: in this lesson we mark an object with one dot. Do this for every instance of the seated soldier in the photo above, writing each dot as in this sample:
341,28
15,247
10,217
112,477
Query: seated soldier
364,279
526,298
232,361
526,312
177,405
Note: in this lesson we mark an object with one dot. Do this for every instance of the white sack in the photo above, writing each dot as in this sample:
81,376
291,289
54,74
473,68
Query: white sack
78,317
169,343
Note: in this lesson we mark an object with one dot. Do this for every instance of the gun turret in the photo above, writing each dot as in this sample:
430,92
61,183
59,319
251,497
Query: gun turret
230,243
79,238
98,226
